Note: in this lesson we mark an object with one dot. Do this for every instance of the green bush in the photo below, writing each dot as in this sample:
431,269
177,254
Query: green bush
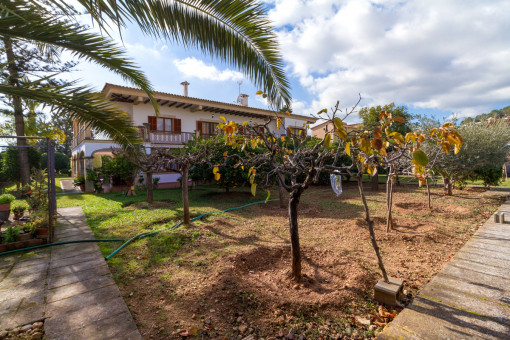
79,180
10,164
119,168
6,198
62,162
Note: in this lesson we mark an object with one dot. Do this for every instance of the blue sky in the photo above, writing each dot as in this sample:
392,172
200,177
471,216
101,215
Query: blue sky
436,57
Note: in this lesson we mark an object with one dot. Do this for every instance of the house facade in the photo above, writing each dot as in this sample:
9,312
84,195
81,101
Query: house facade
180,119
327,127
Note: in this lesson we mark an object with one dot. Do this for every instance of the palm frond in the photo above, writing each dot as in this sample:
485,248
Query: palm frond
20,20
237,32
87,107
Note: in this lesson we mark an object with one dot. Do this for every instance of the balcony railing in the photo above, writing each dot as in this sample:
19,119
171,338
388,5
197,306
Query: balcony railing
155,137
170,137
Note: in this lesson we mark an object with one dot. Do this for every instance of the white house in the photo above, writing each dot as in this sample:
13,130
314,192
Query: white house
180,119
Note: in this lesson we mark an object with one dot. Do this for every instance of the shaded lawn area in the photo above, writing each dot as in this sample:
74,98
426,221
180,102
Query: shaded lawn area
227,275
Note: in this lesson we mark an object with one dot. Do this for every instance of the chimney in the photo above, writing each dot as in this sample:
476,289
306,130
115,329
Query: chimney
243,99
185,88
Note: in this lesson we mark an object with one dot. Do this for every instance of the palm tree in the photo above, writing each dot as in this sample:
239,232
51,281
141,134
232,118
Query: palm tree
235,31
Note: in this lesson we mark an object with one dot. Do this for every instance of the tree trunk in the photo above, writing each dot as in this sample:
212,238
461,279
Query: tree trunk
150,192
24,166
450,188
185,198
389,201
375,180
282,193
397,179
447,186
294,234
428,192
371,229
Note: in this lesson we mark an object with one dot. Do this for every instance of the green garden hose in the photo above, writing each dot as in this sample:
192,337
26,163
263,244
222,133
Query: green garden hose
177,225
134,238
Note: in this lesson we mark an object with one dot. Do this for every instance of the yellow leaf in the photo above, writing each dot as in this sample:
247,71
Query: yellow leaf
370,170
327,140
282,138
420,158
225,154
432,131
278,123
258,93
245,123
253,143
215,170
338,123
220,125
223,119
342,133
456,149
377,132
446,147
348,149
253,189
268,195
217,176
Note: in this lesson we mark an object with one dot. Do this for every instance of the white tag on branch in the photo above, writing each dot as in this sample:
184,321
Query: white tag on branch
336,184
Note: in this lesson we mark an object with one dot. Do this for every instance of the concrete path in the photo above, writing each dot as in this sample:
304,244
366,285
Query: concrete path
69,287
68,187
469,298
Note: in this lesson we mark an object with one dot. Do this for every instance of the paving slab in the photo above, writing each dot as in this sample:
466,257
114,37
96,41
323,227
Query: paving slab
69,286
469,298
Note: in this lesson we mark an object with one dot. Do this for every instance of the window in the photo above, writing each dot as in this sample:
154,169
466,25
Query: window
206,128
164,124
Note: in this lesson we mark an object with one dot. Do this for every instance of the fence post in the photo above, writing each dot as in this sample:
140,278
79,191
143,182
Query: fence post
52,198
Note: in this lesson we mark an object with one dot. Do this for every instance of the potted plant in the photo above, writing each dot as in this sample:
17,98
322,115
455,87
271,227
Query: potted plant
18,212
155,181
5,206
39,224
80,182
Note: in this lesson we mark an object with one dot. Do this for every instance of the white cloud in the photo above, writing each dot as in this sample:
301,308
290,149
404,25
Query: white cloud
193,67
448,55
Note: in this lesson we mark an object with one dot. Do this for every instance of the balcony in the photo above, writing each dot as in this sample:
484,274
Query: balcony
154,137
174,138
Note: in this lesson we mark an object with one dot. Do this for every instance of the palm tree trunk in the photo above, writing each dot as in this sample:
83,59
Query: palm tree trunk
19,123
294,235
185,197
370,223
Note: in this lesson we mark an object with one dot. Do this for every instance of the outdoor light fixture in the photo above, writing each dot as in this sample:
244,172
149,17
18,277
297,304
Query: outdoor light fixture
251,120
212,116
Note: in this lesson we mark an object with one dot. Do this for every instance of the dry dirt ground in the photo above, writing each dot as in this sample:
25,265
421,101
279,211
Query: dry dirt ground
227,277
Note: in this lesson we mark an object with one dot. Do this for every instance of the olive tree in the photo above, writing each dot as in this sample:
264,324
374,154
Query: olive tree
485,147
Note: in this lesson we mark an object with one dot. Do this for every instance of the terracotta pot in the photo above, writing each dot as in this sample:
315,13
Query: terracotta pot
82,187
41,231
18,215
5,211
